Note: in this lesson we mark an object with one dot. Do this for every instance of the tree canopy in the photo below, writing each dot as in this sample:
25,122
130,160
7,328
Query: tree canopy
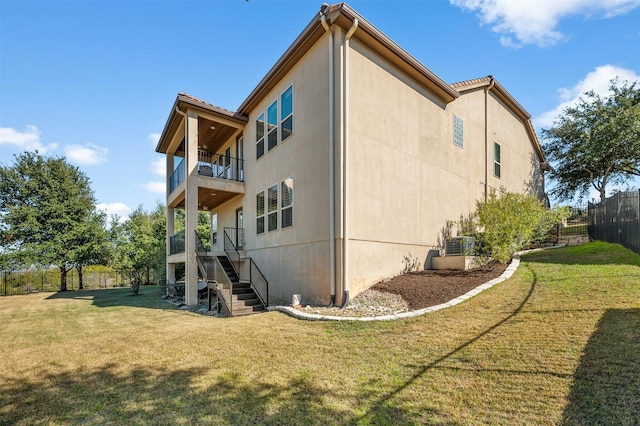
47,208
595,143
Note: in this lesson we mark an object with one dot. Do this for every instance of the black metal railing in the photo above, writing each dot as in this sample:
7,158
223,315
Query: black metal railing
177,177
176,243
236,239
255,277
220,166
213,272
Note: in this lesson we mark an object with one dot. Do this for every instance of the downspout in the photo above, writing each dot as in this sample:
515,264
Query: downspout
486,139
345,147
332,163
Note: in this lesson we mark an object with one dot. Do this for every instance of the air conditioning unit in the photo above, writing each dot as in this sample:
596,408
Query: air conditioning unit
459,246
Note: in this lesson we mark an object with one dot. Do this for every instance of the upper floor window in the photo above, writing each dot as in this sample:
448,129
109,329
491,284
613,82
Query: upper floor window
496,159
279,123
458,131
286,113
260,136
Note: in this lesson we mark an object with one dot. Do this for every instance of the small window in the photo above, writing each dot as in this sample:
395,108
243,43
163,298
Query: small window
272,125
260,136
286,202
496,159
272,203
260,213
214,229
286,114
458,131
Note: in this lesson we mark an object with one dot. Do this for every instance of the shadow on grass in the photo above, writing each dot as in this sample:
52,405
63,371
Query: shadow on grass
606,385
148,297
190,396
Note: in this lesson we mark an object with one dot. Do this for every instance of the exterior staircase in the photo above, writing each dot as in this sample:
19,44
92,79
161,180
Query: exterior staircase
244,300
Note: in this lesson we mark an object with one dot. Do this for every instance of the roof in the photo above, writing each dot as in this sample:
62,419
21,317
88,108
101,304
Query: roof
503,95
184,101
342,15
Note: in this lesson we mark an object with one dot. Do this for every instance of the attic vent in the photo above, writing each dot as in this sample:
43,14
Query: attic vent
459,246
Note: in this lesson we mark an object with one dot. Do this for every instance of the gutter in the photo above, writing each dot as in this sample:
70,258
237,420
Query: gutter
332,162
345,147
486,138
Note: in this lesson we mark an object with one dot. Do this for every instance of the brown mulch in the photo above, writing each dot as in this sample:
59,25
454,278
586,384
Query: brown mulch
412,291
428,288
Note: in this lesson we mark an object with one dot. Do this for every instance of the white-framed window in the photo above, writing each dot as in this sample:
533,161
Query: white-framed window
272,208
275,125
272,125
214,229
260,136
260,213
286,202
497,164
286,114
458,131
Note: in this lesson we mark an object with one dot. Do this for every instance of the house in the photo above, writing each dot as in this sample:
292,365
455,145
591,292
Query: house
339,167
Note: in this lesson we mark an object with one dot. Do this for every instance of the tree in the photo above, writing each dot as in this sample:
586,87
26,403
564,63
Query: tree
139,242
595,143
45,204
92,243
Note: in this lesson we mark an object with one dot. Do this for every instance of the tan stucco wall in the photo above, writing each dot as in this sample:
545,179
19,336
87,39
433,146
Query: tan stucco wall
407,177
296,259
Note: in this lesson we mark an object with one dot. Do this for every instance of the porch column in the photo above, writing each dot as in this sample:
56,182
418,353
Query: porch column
191,209
170,273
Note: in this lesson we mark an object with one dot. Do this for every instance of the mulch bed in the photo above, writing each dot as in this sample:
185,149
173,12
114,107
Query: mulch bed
428,288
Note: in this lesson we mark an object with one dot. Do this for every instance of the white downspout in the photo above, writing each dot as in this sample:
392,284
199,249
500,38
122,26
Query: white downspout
332,165
486,139
345,146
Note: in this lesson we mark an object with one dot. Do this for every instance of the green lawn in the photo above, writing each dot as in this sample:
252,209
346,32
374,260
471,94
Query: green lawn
558,343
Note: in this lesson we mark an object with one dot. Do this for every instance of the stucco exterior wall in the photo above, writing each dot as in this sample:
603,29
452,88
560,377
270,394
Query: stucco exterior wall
407,177
295,259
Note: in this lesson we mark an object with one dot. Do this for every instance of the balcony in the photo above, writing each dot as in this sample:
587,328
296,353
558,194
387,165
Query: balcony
220,166
176,243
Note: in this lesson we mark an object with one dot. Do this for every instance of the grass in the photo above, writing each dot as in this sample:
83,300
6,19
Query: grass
558,343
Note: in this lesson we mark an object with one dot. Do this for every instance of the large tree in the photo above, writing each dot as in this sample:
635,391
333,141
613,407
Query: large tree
92,246
595,143
45,204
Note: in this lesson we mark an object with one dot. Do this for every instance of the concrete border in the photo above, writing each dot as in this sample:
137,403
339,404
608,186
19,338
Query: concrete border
515,262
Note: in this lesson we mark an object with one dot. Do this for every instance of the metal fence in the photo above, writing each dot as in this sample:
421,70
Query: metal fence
33,280
617,220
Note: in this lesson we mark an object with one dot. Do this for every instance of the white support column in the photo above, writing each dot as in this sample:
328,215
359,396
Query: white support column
191,210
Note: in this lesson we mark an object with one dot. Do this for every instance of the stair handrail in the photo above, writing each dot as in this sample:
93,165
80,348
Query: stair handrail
219,275
260,285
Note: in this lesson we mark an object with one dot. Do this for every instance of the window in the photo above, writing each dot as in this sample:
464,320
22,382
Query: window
272,125
286,114
260,213
260,136
286,202
496,159
272,214
214,229
458,131
278,127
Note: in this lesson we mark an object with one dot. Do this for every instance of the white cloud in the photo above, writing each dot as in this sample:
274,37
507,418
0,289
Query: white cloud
154,138
117,208
597,80
155,187
87,155
158,167
28,140
533,21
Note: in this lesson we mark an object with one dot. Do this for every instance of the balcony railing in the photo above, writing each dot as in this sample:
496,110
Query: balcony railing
220,166
176,243
177,177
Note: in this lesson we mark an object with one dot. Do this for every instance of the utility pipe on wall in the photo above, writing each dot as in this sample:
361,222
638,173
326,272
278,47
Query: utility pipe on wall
332,165
486,138
345,147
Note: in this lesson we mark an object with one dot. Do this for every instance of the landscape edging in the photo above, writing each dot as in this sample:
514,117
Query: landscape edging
511,269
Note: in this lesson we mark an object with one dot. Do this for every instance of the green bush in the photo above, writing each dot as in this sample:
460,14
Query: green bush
509,222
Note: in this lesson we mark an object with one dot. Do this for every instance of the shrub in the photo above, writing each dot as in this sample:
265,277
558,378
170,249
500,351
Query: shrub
510,222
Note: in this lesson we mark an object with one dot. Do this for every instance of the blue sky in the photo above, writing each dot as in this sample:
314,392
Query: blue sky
94,81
